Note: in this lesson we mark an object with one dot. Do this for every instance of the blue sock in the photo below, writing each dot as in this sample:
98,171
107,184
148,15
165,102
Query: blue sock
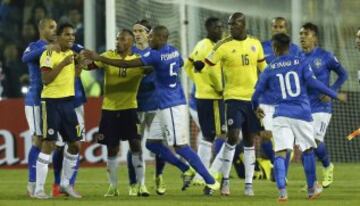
131,169
218,143
267,148
33,155
166,154
287,161
193,159
73,177
322,154
309,167
160,165
57,160
280,172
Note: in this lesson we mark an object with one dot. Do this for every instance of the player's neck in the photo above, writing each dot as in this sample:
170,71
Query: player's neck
213,39
142,46
43,39
241,37
309,49
125,53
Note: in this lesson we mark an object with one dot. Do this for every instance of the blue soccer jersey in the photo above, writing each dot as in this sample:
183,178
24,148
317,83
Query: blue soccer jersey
287,78
146,97
322,63
269,57
31,57
167,63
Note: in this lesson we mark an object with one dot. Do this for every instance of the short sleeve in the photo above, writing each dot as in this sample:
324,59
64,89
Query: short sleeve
46,60
150,58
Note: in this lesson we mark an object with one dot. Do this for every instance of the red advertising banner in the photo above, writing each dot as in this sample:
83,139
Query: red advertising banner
16,140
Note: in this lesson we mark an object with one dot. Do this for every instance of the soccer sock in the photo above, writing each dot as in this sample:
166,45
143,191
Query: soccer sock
76,169
42,168
218,143
33,156
204,152
139,165
191,157
166,154
287,161
57,161
249,164
322,154
267,148
227,159
280,172
217,163
309,168
112,169
131,169
159,165
69,164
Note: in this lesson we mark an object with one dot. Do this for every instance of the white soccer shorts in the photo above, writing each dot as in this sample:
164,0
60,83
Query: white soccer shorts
33,119
150,126
267,121
289,131
173,124
320,123
80,117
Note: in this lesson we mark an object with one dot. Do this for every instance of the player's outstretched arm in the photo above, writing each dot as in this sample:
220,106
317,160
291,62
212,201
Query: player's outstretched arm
114,62
316,84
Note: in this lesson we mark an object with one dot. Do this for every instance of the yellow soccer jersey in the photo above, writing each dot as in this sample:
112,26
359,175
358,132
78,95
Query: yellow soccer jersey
120,84
241,62
64,83
208,82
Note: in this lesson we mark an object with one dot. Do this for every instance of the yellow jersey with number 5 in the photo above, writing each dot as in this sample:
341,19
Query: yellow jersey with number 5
241,61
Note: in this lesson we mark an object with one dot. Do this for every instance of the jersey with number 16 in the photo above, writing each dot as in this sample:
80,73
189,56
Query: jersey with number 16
167,63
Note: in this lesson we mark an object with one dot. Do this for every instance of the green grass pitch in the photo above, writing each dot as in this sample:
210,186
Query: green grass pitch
92,184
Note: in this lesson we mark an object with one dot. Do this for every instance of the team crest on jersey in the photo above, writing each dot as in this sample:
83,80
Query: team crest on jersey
51,131
253,48
47,62
317,63
230,122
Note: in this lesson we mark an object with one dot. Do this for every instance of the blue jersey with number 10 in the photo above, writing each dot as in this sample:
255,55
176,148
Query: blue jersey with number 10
269,57
287,78
167,63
